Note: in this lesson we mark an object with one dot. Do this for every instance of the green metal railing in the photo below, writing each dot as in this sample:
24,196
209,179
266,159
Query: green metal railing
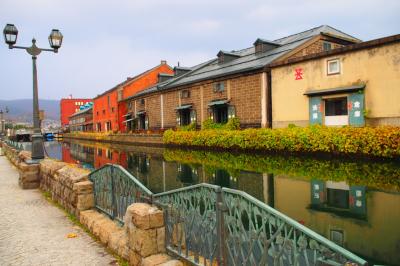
192,225
209,225
15,145
115,189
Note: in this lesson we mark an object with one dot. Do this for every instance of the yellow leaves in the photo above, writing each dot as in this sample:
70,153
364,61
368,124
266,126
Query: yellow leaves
72,235
381,141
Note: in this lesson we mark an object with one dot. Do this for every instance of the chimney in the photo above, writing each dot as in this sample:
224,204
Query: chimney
163,62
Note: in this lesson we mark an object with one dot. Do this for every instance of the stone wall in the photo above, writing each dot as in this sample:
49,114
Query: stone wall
28,172
141,240
68,185
148,139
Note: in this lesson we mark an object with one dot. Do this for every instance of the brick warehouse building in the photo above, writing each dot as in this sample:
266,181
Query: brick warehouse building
109,108
69,106
235,84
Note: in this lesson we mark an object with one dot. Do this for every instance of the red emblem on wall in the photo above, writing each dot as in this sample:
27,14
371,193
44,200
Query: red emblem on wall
349,106
298,73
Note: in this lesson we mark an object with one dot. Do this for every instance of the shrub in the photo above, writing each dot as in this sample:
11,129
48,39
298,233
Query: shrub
232,124
380,141
377,175
190,127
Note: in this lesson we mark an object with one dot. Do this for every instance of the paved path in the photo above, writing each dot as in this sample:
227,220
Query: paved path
34,232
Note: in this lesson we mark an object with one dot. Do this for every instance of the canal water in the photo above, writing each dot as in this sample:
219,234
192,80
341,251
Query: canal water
353,203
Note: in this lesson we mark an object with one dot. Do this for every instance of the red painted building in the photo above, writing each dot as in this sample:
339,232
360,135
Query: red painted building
108,110
69,106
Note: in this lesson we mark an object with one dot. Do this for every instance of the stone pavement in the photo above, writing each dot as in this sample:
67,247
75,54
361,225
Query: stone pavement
34,232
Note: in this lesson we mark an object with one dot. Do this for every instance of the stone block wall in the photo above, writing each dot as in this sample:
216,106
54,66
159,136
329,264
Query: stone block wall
28,172
68,185
141,240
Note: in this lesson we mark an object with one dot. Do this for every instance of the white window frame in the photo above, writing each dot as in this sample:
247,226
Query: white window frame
328,70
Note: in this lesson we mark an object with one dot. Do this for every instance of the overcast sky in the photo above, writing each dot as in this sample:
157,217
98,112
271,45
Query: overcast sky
107,41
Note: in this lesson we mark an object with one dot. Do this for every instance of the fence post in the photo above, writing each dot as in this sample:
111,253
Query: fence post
220,208
114,205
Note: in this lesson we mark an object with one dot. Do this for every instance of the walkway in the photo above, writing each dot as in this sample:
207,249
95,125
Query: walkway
33,232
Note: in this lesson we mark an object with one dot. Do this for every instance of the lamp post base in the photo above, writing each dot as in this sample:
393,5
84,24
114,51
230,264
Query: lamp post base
37,147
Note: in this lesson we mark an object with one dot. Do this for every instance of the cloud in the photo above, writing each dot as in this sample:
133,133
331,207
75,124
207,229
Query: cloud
107,41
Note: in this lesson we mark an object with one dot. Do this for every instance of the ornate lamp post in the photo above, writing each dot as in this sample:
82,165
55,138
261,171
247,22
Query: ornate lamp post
55,39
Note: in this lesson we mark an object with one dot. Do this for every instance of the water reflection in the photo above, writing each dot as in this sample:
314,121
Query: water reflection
355,204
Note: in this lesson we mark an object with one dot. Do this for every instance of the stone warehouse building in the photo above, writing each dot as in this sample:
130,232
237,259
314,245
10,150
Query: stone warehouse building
235,84
354,85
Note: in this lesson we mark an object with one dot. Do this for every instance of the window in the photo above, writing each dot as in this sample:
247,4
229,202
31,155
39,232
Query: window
109,154
220,113
327,46
184,117
104,112
337,198
130,105
333,66
108,126
108,100
97,113
219,87
185,94
141,101
336,106
143,121
112,109
337,237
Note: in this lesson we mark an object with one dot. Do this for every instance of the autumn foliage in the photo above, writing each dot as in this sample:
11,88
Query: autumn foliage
381,141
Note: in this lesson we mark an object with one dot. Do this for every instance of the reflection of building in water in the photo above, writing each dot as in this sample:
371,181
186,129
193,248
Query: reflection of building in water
187,174
104,156
75,153
335,213
338,198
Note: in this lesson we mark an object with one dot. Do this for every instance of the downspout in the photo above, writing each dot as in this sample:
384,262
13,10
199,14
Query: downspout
269,98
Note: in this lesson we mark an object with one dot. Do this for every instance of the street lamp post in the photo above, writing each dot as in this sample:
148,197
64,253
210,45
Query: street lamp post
55,39
2,123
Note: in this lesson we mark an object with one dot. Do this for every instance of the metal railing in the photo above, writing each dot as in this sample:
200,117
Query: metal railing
15,145
209,225
192,224
115,189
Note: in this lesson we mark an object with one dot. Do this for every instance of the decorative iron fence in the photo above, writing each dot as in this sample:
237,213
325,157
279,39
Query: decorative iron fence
192,222
115,189
209,225
257,234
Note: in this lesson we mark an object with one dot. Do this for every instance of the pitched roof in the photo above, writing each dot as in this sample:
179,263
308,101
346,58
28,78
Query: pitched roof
248,60
81,111
129,80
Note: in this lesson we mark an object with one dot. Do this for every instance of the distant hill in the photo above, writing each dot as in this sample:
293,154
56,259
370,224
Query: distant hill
21,110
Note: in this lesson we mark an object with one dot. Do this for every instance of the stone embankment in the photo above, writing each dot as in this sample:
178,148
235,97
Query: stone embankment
141,240
138,139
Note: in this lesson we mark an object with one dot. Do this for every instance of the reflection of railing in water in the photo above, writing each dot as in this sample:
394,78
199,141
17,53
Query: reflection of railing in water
208,225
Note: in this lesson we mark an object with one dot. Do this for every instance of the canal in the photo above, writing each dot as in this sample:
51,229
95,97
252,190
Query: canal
356,203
